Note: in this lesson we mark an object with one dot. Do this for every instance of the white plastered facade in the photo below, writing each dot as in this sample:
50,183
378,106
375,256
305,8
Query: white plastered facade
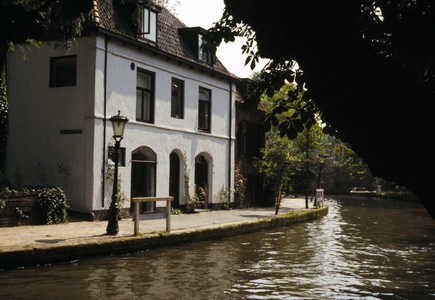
76,160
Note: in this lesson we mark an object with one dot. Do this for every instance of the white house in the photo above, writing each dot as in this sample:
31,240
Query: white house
180,103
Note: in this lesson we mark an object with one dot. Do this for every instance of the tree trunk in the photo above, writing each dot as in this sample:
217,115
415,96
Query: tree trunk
279,198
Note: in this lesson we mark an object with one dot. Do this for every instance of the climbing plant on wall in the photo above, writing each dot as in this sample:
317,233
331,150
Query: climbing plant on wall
4,124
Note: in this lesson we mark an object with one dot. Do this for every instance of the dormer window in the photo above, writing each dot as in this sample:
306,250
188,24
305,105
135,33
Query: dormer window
147,25
194,38
204,55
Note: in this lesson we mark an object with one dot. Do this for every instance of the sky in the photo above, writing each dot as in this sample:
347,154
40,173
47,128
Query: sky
204,13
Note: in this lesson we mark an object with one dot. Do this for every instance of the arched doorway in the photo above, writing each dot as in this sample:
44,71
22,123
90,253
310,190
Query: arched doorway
143,176
174,179
202,177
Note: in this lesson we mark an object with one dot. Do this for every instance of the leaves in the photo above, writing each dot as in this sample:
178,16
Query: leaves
52,205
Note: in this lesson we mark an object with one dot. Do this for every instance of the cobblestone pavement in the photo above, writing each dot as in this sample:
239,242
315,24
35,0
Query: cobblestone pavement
42,236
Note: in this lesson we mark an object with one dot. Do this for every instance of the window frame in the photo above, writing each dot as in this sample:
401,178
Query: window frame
202,111
53,81
147,23
151,92
244,138
177,108
151,163
204,56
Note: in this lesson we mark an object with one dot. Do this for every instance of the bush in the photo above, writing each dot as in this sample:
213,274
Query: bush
176,211
239,188
402,196
224,196
52,205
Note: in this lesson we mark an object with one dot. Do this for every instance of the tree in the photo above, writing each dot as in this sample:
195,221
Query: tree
170,5
23,21
369,67
4,128
283,157
29,21
343,159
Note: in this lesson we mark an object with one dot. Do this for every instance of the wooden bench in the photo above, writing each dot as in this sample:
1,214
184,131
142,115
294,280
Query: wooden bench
151,216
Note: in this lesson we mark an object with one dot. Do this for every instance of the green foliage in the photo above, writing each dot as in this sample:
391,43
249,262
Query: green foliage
273,78
121,197
170,5
2,204
20,213
187,197
406,196
25,20
343,159
239,187
176,211
196,201
224,196
283,156
286,151
192,202
4,126
52,205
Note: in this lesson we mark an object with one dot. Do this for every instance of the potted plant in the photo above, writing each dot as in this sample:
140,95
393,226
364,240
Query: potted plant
195,201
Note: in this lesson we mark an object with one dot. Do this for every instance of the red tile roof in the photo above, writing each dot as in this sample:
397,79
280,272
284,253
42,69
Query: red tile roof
109,17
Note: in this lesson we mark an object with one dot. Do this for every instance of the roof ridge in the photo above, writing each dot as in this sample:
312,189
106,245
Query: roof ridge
95,10
110,17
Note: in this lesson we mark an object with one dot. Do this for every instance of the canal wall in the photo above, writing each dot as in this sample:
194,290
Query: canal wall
67,253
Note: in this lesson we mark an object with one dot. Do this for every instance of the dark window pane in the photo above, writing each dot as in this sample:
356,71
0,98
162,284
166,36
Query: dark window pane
204,110
177,99
143,176
145,97
63,71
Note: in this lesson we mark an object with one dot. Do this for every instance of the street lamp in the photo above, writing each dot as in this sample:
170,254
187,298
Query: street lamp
322,158
118,125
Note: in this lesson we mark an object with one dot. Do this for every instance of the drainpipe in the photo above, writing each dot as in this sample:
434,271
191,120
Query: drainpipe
104,122
229,137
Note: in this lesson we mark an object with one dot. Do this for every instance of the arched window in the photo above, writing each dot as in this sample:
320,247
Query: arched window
143,176
174,178
202,178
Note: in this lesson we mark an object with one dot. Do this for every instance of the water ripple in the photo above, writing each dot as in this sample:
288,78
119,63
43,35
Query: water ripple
358,251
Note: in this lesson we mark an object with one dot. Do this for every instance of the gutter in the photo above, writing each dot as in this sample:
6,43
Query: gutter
103,169
229,136
157,51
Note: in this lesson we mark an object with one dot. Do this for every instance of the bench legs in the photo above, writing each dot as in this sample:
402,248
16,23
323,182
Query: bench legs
137,217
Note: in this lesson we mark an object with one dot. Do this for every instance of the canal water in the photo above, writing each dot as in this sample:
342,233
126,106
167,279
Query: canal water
365,248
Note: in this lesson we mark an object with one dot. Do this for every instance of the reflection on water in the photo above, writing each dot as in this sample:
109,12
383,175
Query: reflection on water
365,248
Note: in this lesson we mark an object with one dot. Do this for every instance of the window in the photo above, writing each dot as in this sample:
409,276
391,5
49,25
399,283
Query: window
147,24
244,138
143,177
177,99
145,97
204,55
251,139
204,110
63,71
121,156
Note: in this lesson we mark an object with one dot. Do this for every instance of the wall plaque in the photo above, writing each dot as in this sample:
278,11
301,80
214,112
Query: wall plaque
71,131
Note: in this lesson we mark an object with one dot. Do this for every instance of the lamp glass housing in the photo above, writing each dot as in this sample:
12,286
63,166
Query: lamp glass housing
118,125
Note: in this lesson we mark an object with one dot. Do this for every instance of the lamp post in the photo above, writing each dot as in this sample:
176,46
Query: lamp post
322,158
118,124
